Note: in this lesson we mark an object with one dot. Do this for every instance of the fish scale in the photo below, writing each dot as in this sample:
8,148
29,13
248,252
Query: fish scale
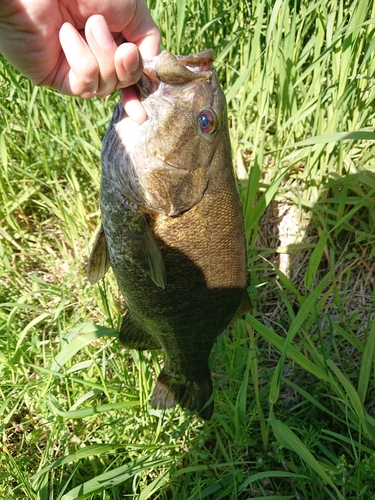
172,225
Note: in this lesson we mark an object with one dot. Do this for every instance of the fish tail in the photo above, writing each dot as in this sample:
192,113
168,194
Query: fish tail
189,394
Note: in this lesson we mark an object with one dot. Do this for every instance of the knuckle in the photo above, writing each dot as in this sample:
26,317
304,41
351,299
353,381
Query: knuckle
90,71
87,80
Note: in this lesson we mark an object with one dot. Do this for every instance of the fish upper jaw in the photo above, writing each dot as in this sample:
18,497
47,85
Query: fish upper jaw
169,69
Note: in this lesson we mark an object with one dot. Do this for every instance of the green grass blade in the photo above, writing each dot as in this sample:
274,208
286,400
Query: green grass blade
286,437
367,363
314,261
113,478
292,352
90,411
354,399
85,334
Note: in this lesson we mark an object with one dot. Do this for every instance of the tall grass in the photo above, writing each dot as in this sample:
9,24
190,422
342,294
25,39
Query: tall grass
294,380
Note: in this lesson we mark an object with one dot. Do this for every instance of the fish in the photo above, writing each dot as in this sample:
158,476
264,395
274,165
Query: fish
172,224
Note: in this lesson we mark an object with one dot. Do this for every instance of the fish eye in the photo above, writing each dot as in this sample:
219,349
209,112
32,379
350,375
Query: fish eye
206,121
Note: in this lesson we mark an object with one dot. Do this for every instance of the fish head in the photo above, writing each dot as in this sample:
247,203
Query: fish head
186,109
165,164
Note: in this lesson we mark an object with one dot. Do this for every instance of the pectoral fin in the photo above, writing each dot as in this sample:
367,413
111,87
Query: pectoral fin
139,244
145,250
98,263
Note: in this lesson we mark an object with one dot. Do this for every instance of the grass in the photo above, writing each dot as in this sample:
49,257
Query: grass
294,380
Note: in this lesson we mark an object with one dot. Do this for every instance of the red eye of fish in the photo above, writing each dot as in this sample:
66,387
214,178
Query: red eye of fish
206,120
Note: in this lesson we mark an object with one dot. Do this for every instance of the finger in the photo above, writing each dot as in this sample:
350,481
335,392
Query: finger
143,32
128,65
133,107
149,44
80,77
103,47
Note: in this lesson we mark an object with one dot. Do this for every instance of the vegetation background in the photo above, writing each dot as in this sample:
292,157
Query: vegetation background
294,381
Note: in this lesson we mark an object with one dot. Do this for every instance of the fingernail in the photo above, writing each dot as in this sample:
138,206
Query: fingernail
132,63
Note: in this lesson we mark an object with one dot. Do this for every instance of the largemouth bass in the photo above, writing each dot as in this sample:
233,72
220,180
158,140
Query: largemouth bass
172,224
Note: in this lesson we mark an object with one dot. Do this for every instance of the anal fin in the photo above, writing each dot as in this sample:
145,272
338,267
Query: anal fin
133,336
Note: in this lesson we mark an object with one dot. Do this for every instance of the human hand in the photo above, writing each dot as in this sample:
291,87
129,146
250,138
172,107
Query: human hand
77,46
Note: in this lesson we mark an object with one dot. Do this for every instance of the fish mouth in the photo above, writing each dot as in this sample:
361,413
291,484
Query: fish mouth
175,70
200,64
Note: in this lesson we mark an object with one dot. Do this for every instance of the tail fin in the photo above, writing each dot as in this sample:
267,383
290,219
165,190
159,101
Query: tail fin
192,395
